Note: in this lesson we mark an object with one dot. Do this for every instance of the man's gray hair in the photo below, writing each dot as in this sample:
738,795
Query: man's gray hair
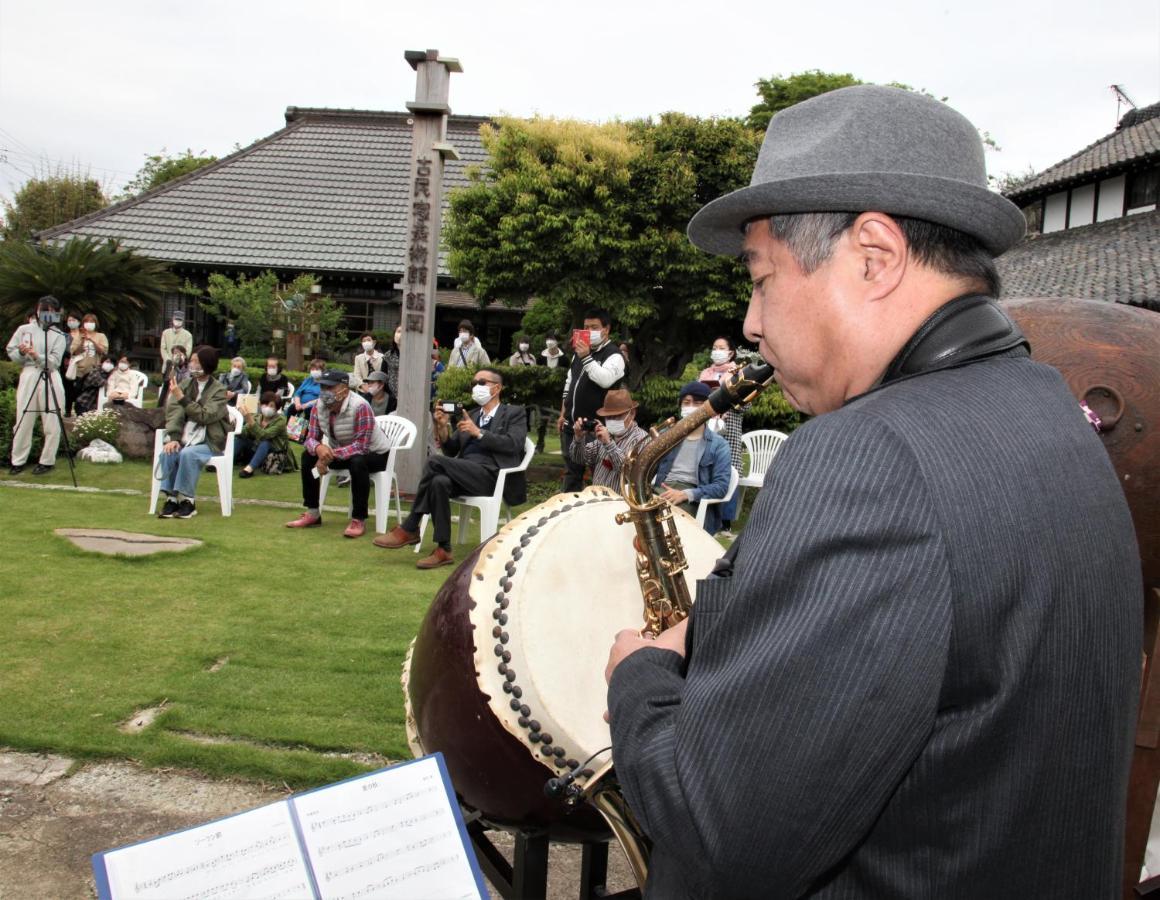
811,238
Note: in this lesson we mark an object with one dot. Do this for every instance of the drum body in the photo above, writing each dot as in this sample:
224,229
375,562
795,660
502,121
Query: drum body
1109,354
506,675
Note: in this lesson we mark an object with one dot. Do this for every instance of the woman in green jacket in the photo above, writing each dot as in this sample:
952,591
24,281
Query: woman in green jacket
263,435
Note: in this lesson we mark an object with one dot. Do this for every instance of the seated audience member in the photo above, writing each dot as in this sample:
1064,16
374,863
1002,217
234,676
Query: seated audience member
274,380
523,355
307,393
236,380
263,440
197,420
91,377
605,444
121,383
698,467
370,360
353,444
374,391
483,441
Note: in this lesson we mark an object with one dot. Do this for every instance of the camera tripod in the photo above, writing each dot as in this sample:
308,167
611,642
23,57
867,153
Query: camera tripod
51,403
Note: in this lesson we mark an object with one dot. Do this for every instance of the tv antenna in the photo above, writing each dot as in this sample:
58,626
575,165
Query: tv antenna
1121,99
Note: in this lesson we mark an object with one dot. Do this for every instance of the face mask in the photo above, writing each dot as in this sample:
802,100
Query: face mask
719,356
595,336
178,358
326,398
464,337
195,371
108,367
373,387
237,368
177,324
551,344
687,411
398,339
368,346
524,348
714,424
268,412
90,326
316,374
124,367
271,372
73,324
615,426
481,394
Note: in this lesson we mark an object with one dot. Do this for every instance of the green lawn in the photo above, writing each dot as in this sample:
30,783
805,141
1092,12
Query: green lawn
314,626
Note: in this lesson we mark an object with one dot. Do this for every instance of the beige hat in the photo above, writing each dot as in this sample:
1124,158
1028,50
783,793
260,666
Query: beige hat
616,403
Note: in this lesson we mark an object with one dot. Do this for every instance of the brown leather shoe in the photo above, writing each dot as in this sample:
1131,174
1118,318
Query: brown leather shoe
355,529
396,537
439,558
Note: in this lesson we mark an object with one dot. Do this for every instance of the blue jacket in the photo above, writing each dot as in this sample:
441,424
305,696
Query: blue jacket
308,390
712,474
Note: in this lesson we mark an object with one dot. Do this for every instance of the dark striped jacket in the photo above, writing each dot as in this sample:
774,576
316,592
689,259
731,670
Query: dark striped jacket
921,681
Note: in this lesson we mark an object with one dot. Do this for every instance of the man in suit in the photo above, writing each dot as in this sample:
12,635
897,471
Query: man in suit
920,678
489,438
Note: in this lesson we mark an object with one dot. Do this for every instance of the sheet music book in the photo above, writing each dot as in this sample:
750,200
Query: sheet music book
394,833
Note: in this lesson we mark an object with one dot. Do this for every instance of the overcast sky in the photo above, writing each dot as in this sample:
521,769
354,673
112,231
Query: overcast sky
99,85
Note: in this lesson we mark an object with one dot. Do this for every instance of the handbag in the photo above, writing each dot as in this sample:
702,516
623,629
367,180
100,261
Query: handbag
71,371
296,427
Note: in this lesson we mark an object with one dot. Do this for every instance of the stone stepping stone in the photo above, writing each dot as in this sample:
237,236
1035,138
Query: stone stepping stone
125,543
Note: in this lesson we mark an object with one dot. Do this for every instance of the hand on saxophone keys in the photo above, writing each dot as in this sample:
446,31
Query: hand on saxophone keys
628,641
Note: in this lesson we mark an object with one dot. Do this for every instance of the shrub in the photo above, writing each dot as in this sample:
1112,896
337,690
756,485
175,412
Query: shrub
8,417
533,386
103,424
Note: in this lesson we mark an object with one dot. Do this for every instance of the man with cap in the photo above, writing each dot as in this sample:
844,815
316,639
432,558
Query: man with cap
699,467
352,444
175,335
607,443
920,678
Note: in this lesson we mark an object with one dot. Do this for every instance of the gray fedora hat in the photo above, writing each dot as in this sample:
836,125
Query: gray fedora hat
867,148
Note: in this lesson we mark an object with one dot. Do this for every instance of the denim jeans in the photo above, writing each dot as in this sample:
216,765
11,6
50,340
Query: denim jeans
260,454
180,470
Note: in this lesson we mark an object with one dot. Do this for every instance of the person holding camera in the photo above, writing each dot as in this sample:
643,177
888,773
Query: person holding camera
597,367
481,442
353,444
605,444
38,348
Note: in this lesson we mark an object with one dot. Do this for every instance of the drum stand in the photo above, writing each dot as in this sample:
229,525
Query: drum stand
526,878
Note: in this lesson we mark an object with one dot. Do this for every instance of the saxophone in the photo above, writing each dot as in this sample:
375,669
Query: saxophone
660,564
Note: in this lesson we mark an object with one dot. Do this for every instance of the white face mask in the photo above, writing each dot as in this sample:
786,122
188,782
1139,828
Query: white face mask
368,346
398,339
551,343
90,326
464,337
373,387
124,367
595,336
316,374
73,324
268,412
687,411
481,394
271,371
714,424
615,426
237,368
524,348
108,367
195,371
177,324
719,356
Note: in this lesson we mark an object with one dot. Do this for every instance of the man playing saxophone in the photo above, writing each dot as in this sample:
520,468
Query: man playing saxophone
920,679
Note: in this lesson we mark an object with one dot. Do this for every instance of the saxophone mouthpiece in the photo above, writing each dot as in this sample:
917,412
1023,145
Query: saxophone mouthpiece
743,387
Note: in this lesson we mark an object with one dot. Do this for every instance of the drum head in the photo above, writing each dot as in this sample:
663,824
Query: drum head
550,592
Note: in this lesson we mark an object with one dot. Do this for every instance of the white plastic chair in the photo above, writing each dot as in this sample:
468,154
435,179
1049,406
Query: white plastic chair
401,433
703,506
138,392
762,447
223,465
489,507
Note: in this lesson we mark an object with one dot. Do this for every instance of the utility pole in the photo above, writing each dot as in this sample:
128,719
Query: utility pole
429,151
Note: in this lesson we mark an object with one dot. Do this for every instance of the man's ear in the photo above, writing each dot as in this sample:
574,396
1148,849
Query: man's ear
882,252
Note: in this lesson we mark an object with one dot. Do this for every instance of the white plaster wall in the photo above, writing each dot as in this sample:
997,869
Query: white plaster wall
1055,213
1083,206
1111,198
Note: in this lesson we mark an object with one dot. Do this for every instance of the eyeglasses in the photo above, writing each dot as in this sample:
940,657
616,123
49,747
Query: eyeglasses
480,381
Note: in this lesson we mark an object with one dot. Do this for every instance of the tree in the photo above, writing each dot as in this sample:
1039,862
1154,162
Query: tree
778,93
160,168
261,306
50,200
88,276
579,215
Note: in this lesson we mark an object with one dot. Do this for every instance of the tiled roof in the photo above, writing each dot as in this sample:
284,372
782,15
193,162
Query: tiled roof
1117,260
1135,141
327,193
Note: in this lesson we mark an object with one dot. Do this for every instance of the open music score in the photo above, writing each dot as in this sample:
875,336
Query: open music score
394,833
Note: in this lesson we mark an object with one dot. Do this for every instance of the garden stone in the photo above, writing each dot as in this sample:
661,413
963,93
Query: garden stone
125,543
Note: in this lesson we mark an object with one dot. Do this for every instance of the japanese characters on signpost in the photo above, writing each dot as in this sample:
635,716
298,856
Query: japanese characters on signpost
429,150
